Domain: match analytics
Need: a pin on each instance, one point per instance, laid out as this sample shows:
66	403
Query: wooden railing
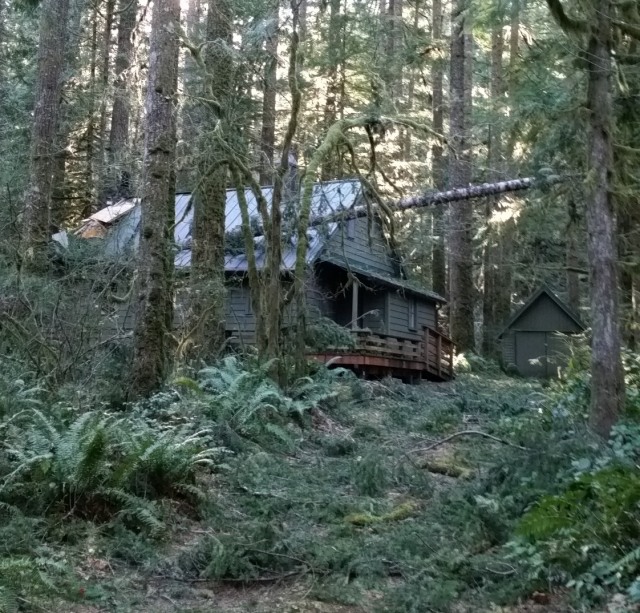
436	351
439	351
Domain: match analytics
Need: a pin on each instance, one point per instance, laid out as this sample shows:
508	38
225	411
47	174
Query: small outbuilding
532	341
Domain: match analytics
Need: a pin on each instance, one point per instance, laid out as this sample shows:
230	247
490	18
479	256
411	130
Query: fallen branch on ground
465	433
446	469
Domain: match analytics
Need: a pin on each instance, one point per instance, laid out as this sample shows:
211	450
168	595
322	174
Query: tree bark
330	168
573	264
48	88
457	194
119	169
3	37
460	215
506	238
438	254
268	138
90	134
154	296
207	265
607	382
491	256
101	141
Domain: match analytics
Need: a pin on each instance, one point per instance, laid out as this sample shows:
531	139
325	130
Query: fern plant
99	466
248	402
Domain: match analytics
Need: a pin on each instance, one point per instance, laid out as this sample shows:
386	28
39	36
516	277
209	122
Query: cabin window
351	228
413	308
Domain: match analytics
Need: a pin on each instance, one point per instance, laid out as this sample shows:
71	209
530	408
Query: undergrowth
226	477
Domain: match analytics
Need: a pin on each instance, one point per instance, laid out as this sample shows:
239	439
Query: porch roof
401	285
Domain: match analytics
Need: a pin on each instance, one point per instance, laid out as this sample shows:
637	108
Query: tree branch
470	433
568	24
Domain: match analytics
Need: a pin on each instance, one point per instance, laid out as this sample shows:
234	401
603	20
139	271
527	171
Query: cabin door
531	353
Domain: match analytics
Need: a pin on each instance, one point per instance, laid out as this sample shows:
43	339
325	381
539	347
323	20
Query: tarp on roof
113	212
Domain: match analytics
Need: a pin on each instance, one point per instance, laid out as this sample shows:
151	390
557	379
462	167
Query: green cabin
355	277
532	341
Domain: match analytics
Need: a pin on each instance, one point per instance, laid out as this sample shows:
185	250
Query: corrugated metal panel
327	198
124	236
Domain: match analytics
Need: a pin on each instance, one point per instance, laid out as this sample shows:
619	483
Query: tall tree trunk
507	232
154	299
268	138
207	264
53	25
334	60
104	97
405	139
573	264
3	36
394	51
491	259
460	215
119	170
90	134
438	257
607	383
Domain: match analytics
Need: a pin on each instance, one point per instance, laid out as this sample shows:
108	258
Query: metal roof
327	199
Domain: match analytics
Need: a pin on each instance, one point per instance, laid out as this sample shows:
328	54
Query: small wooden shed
531	341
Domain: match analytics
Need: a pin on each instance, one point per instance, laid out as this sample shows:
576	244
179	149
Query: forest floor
359	518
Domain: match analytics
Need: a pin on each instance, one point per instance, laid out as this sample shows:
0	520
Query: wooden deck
379	355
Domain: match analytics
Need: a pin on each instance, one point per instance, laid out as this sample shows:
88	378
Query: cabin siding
363	252
399	316
317	295
240	318
508	351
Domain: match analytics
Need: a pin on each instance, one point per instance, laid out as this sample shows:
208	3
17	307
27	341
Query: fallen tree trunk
480	190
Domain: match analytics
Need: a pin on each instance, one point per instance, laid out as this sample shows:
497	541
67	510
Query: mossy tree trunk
268	134
491	255
607	382
119	172
48	88
154	291
207	302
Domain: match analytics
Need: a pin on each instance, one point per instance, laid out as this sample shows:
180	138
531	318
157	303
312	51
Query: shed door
531	353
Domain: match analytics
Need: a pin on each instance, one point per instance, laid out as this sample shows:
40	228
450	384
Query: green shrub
323	333
98	466
590	533
245	400
370	476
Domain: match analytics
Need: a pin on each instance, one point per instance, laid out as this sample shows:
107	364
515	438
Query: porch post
354	304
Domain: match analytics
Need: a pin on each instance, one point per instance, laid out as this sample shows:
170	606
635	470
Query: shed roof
544	290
